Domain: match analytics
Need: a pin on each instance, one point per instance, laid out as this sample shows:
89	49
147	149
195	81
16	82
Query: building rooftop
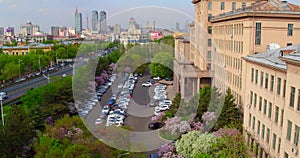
32	45
269	7
272	57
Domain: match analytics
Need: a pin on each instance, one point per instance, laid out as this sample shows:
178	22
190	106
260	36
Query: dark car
154	125
168	79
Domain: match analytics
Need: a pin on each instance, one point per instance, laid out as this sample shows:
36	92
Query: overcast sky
47	13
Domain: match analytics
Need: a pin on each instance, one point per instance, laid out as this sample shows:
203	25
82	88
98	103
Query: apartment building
197	71
271	115
24	50
246	31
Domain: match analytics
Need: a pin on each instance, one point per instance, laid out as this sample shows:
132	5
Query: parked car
154	125
105	109
147	84
156	78
99	121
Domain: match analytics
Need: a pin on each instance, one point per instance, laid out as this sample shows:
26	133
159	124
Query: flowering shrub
198	126
226	132
158	118
175	125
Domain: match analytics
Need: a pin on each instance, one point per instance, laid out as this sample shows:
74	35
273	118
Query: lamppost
47	77
40	63
2	116
19	61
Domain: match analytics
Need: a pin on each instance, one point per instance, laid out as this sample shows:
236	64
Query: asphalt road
19	89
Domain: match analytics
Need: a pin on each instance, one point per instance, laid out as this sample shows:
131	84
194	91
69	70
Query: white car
105	109
99	121
156	78
163	107
147	84
120	85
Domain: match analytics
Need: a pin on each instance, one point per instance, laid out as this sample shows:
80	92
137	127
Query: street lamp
47	77
2	116
19	61
40	63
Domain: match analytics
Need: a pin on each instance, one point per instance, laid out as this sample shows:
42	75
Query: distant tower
154	26
95	28
117	29
132	24
87	21
148	28
103	24
177	26
78	21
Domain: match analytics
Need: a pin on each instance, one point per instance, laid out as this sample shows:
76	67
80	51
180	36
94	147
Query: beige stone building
271	115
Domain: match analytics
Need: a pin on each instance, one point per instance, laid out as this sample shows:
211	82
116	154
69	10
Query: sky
47	13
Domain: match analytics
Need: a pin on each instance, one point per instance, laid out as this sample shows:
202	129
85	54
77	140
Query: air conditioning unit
295	151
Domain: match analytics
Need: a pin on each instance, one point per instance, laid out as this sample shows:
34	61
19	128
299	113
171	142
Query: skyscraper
55	30
78	22
1	31
102	21
29	29
95	26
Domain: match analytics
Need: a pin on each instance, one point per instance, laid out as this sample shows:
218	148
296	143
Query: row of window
231	29
263	107
233	62
222	5
15	53
258	29
267	81
235	80
264	132
230	45
296	133
293	98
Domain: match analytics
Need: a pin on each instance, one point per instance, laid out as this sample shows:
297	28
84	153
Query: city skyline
48	13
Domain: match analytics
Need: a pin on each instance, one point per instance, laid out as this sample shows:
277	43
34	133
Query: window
209	5
270	110
268	135
274	141
258	33
222	5
290	29
209	30
233	5
267	81
255	98
209	42
251	97
256	76
278	85
279	144
209	17
263	132
209	55
261	78
289	130
296	136
243	4
260	103
272	83
289	44
292	97
250	116
284	87
22	52
276	114
209	66
282	113
265	106
258	127
253	123
286	155
252	74
298	106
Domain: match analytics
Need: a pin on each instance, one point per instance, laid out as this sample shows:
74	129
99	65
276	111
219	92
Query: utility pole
19	61
2	116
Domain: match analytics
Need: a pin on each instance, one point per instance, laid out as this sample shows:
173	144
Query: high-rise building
103	24
95	22
132	24
10	31
117	29
177	27
54	30
78	22
1	31
29	29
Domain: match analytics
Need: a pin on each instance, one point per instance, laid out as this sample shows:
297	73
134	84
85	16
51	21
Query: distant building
117	29
103	24
95	22
29	29
54	30
24	50
133	35
38	37
177	26
78	22
2	31
10	31
156	35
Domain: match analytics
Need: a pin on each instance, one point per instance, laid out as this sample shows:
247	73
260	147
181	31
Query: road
19	89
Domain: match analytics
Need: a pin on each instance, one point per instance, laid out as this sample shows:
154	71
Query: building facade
103	24
24	50
95	22
78	22
132	35
29	29
271	117
55	30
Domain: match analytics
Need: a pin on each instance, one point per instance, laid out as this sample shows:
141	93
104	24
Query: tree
16	134
204	100
194	143
229	114
162	65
